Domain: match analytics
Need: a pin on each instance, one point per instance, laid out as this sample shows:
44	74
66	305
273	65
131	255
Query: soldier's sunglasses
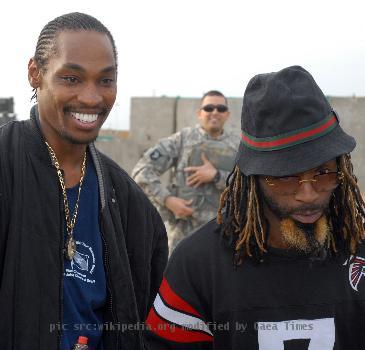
211	108
322	182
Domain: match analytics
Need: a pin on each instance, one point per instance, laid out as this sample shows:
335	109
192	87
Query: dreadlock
46	44
242	219
347	210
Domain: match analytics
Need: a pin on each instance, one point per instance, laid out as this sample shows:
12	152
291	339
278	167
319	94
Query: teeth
85	118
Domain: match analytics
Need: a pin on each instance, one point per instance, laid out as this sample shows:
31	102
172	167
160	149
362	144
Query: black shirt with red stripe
286	302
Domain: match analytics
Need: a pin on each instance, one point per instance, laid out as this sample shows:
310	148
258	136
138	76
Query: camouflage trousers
178	230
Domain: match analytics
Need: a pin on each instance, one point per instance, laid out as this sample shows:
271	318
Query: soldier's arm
154	163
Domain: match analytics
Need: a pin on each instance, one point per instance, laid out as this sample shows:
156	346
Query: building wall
153	118
6	110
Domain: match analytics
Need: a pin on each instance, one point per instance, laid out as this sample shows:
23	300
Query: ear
34	74
198	113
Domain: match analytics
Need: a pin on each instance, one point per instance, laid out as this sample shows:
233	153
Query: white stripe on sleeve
179	318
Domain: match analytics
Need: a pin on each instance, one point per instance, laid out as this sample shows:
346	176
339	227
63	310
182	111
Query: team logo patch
356	272
155	154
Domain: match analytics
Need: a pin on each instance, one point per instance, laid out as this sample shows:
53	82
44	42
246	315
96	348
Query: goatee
306	238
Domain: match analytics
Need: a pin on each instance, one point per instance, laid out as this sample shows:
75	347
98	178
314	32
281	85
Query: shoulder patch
155	154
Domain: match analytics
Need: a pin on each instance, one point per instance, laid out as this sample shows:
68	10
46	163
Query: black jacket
31	242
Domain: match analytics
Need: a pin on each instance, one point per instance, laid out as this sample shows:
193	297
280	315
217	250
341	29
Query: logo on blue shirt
82	266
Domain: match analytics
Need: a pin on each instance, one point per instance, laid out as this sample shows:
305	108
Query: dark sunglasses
211	108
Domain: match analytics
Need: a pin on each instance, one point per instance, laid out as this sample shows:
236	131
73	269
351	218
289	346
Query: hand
200	174
180	207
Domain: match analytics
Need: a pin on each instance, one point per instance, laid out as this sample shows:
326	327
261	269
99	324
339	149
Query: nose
306	193
89	95
215	111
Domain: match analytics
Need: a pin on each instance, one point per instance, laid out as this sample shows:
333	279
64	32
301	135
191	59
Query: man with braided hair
283	265
82	250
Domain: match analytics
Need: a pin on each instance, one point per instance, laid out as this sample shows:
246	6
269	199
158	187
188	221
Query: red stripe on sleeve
174	301
172	332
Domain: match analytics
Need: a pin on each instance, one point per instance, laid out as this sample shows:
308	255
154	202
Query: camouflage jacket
179	151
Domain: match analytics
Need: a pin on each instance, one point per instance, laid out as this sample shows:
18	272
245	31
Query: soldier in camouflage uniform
201	159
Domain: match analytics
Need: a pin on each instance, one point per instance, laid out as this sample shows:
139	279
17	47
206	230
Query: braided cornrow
242	219
46	44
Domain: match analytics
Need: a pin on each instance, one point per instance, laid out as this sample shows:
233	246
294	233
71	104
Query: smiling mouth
84	117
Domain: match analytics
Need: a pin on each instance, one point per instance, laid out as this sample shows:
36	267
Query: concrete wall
153	118
6	110
352	119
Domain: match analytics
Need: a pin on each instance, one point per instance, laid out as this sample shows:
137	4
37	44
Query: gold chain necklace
70	246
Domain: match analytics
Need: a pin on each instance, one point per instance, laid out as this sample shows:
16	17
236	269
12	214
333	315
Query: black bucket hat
288	126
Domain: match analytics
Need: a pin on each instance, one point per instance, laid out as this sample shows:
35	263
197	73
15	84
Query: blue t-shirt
84	283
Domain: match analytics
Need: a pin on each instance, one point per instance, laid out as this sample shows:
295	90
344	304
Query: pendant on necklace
70	248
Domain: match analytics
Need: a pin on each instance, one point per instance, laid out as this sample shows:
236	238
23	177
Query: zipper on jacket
99	173
62	269
108	284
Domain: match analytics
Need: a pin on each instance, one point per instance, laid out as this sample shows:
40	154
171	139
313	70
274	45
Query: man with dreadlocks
283	266
82	250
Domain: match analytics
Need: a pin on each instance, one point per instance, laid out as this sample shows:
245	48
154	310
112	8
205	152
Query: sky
185	48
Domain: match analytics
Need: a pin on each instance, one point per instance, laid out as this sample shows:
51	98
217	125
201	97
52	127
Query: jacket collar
34	138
